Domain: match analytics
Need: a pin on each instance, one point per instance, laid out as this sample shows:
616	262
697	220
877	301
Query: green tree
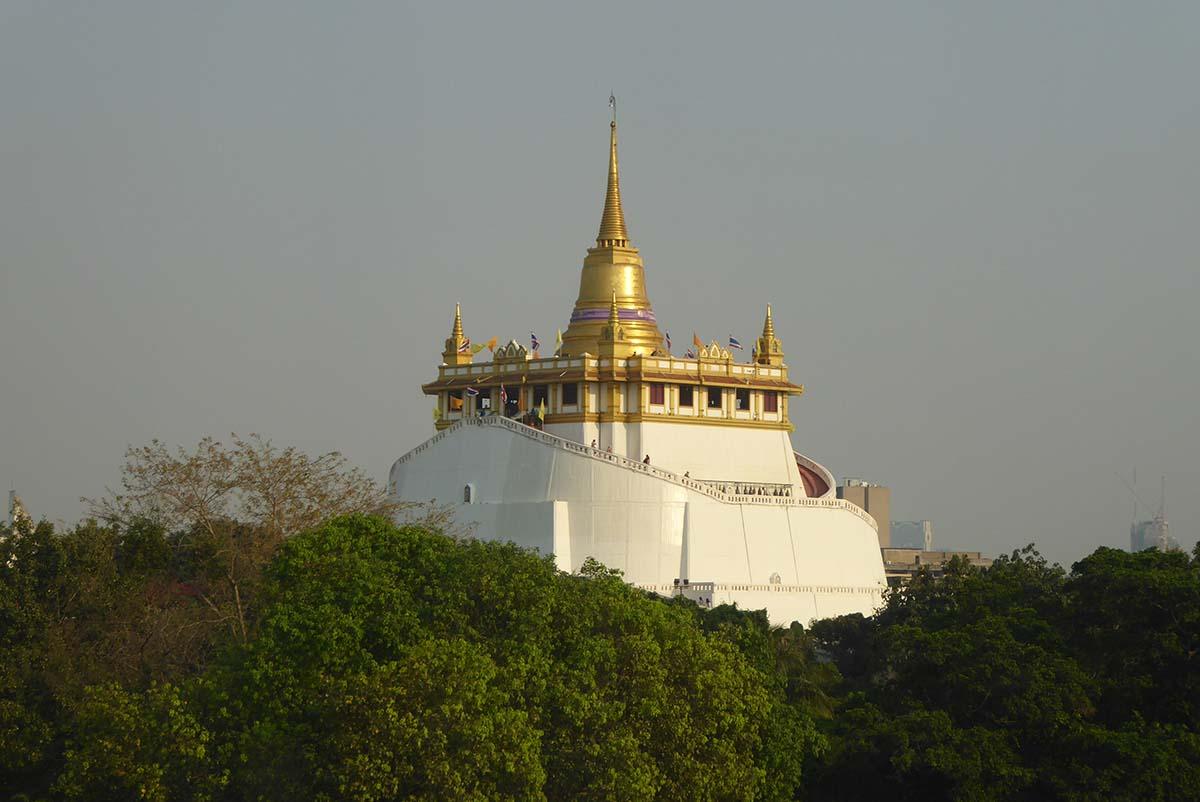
138	746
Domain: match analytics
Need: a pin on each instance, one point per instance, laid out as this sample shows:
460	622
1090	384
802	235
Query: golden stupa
613	267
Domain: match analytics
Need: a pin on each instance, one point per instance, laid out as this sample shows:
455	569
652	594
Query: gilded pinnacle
458	329
768	326
612	223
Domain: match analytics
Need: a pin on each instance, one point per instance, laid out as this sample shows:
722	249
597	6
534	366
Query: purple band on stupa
602	314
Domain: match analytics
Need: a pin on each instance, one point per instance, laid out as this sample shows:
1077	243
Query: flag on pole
668	342
491	344
754	351
477	347
696	341
689	354
541	410
471	391
534	342
455	403
733	343
503	397
558	342
466	346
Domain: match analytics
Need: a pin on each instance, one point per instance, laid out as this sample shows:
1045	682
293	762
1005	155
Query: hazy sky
977	224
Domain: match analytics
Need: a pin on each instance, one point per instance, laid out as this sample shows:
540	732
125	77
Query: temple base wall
799	562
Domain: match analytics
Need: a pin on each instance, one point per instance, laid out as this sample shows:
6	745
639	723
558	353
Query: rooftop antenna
1132	488
1162	500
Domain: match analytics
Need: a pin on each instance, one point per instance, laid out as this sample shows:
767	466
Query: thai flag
466	346
537	345
689	354
668	341
471	391
733	343
503	397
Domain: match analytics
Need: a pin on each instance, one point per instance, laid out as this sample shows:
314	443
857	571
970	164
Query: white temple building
548	452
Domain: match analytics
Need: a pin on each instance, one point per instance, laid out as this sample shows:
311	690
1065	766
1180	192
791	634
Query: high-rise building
912	535
1152	534
677	470
875	499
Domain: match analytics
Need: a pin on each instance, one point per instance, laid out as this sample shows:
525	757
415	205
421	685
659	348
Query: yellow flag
437	413
455	403
542	410
477	347
491	344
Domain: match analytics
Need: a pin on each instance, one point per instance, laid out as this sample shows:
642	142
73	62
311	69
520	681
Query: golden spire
768	350
612	222
458	347
612	263
614	314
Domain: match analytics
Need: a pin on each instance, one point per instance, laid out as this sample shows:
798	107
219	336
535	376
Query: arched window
469	494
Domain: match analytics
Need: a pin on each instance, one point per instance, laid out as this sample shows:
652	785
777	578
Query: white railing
746	587
638	467
730	487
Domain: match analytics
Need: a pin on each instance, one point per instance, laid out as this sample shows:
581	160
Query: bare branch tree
234	505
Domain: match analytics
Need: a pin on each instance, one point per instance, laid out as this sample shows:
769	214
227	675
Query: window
686	393
570	393
468	494
714	397
656	393
541	395
741	398
770	401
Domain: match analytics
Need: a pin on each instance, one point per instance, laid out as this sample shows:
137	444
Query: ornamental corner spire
458	346
768	350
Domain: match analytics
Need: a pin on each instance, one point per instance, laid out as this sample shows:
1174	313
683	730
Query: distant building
875	499
912	535
901	564
16	510
1152	534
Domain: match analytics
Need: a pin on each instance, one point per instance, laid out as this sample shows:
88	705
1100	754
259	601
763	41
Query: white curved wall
575	506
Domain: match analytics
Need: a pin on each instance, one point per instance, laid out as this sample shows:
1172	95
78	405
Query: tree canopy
231	630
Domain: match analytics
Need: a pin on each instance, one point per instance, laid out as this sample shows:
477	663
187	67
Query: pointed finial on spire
612	223
769	326
614	315
458	329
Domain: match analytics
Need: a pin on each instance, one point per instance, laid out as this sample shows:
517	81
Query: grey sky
976	223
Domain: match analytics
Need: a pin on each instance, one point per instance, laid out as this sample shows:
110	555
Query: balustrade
715	490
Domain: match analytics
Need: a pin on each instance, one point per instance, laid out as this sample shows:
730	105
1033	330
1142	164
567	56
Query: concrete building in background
875	499
912	535
678	471
902	565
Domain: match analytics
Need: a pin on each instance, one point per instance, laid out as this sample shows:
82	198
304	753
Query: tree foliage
1022	682
236	625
